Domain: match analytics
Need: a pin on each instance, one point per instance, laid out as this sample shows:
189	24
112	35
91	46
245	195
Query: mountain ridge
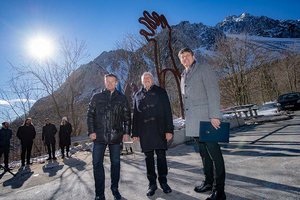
129	65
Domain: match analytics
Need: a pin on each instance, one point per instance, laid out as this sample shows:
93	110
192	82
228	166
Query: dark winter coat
48	133
26	134
65	134
109	117
5	136
152	118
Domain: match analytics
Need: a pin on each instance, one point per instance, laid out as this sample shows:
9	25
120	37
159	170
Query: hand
93	136
136	139
215	123
125	137
169	136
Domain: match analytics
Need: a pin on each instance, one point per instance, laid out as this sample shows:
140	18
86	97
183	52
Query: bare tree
234	59
290	69
133	56
55	79
20	96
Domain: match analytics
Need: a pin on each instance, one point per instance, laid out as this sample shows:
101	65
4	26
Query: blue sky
101	23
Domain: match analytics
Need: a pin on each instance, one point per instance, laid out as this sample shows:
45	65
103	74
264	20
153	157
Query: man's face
147	81
110	83
186	59
28	121
6	125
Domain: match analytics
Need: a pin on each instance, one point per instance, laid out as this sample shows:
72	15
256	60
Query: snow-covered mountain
260	26
129	65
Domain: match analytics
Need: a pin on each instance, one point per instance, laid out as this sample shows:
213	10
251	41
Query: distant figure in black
5	136
65	131
48	137
26	133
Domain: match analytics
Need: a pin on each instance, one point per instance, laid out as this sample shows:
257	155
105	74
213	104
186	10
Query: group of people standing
27	133
109	123
48	137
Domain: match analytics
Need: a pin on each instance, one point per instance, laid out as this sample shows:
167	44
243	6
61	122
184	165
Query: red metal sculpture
152	22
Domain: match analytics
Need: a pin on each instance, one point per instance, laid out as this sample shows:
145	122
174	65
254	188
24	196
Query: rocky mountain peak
260	26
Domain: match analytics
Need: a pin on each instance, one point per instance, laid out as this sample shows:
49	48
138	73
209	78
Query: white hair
147	73
64	120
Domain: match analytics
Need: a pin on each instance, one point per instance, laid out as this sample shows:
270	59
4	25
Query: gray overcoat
201	96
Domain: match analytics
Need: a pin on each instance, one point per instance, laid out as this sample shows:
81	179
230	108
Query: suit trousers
26	149
162	167
51	149
62	148
5	151
213	164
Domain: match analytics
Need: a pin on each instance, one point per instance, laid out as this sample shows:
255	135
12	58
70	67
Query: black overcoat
65	134
26	134
48	133
152	118
5	136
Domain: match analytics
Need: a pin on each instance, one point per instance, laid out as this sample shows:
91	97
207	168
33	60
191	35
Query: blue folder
208	133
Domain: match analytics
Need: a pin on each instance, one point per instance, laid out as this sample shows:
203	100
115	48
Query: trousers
98	168
213	164
162	167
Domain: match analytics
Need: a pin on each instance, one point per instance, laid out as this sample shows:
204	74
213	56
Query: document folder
208	133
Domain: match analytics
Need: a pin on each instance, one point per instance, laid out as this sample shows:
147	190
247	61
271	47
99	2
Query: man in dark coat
48	137
26	133
153	126
109	122
65	131
5	136
201	94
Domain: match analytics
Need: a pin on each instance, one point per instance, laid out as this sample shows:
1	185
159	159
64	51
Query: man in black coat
48	137
109	122
65	131
5	136
153	126
26	133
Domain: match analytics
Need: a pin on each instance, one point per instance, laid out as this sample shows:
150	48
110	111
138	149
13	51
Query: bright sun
41	47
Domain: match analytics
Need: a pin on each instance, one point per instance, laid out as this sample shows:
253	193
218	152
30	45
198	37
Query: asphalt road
262	162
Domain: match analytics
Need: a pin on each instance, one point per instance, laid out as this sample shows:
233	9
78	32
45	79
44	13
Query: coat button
187	109
185	85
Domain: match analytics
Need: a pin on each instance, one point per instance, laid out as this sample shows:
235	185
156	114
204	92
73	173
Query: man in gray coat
201	95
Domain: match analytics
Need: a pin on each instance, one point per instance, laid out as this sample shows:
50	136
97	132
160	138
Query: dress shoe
217	195
151	190
100	198
54	158
116	194
166	188
203	187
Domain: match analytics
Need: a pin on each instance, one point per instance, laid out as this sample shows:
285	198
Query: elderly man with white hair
153	126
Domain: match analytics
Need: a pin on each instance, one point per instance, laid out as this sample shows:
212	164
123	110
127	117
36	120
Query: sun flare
41	47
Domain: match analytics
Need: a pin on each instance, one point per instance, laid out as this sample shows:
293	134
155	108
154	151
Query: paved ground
262	162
